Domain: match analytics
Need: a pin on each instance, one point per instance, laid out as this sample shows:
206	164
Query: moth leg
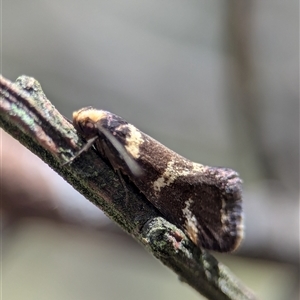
116	168
124	186
89	144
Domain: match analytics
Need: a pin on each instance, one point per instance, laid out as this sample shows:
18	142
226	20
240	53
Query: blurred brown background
216	81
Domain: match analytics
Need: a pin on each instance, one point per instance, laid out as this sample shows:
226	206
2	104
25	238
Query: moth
205	202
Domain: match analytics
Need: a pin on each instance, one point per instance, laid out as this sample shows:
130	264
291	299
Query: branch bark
27	115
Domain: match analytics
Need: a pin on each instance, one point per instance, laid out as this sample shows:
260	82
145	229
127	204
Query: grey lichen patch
23	115
161	236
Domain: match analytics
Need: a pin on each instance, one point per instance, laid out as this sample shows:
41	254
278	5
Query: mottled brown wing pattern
206	202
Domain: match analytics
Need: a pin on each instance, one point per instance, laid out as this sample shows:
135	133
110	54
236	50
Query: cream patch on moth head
191	223
89	114
133	141
170	174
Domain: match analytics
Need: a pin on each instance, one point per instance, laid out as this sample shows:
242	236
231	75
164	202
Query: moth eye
89	126
88	129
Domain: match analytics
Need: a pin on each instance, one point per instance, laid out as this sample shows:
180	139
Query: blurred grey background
216	81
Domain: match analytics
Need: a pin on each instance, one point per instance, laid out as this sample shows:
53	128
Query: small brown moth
205	202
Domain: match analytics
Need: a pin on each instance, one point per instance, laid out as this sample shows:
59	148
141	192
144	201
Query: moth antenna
135	169
88	145
67	119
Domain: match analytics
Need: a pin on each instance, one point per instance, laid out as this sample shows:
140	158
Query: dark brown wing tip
231	230
233	211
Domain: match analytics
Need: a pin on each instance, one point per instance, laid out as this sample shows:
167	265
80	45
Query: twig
28	116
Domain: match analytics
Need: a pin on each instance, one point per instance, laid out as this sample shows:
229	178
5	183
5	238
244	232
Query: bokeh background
216	81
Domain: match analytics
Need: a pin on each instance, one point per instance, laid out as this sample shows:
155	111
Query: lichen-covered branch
29	116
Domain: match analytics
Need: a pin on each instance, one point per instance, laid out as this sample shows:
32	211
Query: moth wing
133	166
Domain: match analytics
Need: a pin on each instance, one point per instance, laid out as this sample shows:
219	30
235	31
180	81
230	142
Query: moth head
86	121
